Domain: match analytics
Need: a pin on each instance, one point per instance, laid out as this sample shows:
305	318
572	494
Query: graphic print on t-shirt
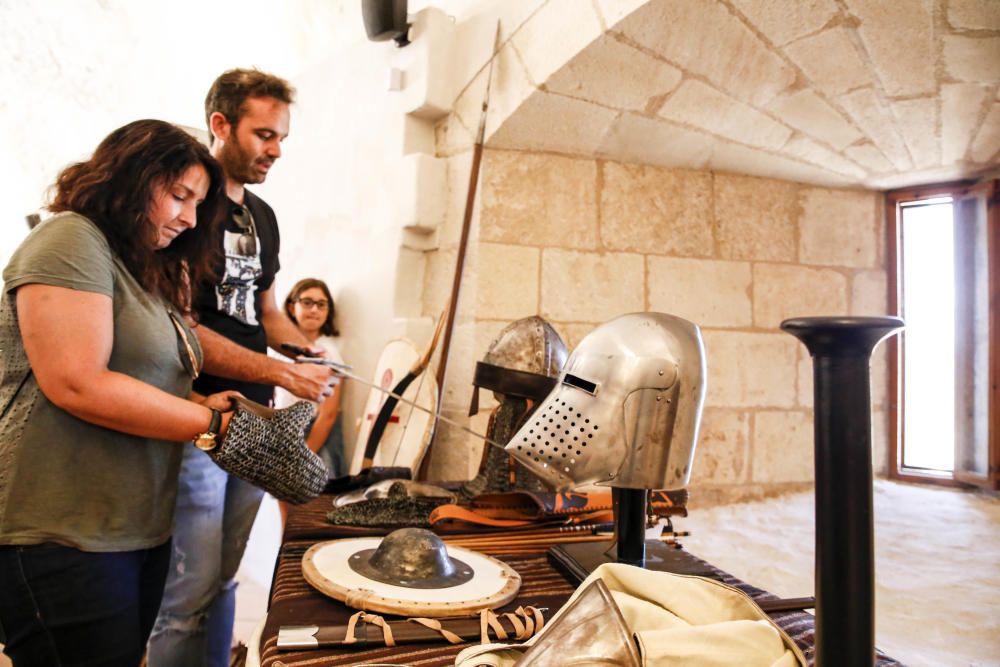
235	292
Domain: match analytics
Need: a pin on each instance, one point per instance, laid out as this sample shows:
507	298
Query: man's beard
238	164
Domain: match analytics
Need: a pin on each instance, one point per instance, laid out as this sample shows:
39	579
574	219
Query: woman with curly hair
95	395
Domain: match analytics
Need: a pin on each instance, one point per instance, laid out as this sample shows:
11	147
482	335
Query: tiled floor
937	565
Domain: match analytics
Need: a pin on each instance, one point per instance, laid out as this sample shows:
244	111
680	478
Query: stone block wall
580	240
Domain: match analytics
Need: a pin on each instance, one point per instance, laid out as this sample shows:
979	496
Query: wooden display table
294	602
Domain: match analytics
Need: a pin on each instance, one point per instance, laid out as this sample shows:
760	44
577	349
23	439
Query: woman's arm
326	417
68	336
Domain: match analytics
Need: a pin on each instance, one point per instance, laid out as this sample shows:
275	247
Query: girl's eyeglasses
246	245
322	304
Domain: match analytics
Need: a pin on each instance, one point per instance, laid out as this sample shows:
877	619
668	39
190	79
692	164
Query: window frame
893	201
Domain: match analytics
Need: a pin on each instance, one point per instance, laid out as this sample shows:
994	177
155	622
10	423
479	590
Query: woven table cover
294	602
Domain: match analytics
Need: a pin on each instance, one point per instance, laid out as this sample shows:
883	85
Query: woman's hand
223	401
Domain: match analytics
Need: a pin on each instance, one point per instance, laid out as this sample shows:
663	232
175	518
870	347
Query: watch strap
216	423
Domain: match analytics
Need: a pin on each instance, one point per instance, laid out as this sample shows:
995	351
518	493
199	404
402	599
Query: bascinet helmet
626	410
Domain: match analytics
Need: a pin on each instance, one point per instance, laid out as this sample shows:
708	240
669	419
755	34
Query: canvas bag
675	620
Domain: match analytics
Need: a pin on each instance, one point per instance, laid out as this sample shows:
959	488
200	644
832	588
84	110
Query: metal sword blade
342	369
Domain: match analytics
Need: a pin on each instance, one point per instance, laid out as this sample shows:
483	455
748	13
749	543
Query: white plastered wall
369	198
74	71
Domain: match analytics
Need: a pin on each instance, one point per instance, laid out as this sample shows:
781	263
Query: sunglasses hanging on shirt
246	244
189	359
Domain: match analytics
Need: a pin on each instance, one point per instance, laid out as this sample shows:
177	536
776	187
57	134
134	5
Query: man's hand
309	381
225	358
292	350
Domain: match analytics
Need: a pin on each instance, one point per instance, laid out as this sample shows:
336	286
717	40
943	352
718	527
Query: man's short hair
232	88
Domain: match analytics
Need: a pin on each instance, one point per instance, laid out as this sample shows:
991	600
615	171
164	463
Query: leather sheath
298	637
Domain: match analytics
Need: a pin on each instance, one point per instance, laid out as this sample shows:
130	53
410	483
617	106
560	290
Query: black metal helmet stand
578	560
841	349
632	548
630	525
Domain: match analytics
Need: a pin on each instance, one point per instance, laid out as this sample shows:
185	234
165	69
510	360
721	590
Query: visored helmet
626	410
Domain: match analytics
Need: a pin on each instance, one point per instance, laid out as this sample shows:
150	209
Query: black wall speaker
385	20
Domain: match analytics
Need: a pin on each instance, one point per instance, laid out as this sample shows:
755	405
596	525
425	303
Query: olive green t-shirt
63	479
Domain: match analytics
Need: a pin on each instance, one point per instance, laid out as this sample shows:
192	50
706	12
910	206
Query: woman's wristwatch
208	440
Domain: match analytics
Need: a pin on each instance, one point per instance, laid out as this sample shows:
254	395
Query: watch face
205	441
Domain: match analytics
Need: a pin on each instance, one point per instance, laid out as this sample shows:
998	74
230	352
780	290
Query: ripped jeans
214	515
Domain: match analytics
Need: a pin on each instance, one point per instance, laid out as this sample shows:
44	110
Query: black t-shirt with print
232	306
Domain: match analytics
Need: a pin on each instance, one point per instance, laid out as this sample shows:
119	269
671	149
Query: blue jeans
60	606
214	515
332	451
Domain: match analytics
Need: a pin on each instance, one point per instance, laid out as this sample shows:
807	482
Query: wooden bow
385	413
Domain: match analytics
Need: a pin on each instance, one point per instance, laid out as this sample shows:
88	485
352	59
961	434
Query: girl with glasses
310	306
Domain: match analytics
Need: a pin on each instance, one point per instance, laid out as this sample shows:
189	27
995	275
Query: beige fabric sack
675	620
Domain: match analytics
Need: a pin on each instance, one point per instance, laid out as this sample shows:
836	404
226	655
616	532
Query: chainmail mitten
267	448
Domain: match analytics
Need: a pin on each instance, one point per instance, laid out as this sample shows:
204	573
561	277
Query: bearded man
247	112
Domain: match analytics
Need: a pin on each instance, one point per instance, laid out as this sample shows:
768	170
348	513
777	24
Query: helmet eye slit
580	383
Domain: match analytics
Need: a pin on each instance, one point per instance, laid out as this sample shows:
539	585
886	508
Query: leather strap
435	625
542	504
510	382
216	423
450	513
351	636
514	509
513	382
444	515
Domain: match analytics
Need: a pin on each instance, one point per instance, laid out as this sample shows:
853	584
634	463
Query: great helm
626	410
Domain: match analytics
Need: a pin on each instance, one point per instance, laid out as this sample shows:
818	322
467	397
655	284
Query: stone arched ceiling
871	93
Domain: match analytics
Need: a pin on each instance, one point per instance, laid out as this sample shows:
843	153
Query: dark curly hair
233	87
114	189
328	328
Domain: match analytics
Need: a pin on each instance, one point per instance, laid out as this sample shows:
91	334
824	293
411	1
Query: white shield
409	430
